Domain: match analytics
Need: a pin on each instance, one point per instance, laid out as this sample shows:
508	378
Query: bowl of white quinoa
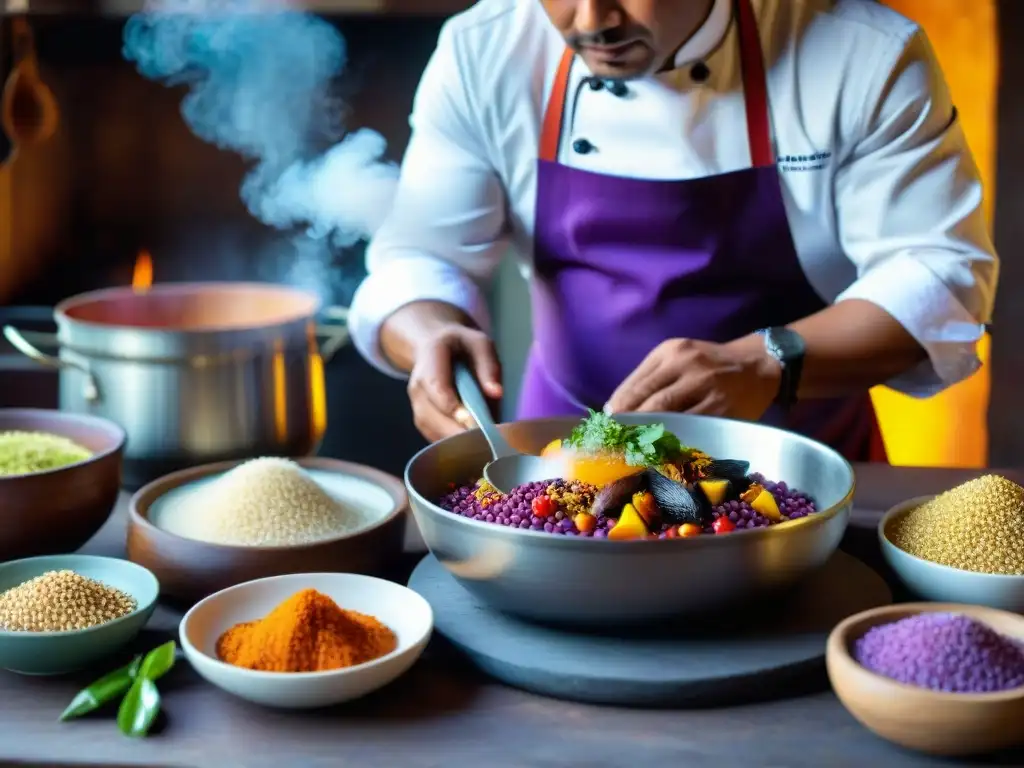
203	529
60	475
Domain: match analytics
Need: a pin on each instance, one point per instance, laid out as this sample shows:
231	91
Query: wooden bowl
190	570
947	724
57	511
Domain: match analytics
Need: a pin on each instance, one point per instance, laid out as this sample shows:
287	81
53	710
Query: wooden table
444	714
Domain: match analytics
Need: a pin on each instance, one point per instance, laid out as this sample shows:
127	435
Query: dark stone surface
767	649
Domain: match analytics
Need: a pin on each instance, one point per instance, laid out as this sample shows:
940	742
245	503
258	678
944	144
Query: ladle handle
473	398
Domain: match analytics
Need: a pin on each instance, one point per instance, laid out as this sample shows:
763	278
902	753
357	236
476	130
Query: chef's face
624	39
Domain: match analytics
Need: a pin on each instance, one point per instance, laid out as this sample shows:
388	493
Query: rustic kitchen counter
443	713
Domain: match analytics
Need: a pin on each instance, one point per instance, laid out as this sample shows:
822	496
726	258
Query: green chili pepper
104	690
141	704
136	683
159	661
139	708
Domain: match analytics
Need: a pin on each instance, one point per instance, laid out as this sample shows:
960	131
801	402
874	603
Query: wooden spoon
30	113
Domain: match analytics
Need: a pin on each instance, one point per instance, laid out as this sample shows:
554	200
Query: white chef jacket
883	198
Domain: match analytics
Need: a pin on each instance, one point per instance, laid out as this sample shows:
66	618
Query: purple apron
623	264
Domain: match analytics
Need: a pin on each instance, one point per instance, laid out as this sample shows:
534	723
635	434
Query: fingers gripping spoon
509	467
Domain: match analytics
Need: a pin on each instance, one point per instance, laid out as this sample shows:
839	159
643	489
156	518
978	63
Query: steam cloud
259	76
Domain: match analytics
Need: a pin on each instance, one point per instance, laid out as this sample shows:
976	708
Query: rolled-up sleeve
446	234
910	217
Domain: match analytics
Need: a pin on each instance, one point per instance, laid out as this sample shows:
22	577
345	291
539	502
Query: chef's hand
436	407
737	381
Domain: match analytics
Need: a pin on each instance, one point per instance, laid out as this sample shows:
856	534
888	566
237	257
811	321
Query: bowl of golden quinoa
962	546
62	613
60	474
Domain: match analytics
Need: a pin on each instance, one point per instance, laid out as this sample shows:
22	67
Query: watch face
785	343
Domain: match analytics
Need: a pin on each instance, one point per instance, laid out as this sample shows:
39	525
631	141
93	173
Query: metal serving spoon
509	468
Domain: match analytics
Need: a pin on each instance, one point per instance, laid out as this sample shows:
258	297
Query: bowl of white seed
61	613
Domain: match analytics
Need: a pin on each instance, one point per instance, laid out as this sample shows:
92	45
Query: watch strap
787	347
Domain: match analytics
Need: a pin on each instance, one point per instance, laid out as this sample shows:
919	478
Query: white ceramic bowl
407	614
942	583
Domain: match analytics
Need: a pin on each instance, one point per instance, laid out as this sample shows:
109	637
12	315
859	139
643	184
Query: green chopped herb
643	445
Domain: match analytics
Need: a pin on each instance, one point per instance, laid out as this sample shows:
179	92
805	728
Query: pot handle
333	329
17	340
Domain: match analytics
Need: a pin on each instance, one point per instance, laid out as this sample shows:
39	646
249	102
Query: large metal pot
193	372
592	581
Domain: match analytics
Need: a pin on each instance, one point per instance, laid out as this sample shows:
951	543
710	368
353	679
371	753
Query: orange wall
951	428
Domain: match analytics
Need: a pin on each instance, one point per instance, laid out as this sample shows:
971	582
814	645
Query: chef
756	209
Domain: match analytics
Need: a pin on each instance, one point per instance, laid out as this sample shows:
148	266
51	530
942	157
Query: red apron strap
755	87
755	92
551	129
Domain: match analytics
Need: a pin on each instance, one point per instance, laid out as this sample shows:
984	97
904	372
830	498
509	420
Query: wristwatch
788	348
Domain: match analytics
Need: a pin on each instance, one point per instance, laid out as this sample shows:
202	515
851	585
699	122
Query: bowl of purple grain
645	507
945	679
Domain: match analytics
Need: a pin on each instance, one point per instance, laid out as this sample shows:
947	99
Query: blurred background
120	189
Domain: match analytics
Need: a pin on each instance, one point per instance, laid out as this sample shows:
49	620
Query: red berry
543	506
723	525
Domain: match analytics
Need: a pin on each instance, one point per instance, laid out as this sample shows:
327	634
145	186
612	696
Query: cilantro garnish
643	445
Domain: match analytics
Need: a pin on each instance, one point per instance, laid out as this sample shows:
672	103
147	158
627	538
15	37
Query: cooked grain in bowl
977	526
267	502
23	453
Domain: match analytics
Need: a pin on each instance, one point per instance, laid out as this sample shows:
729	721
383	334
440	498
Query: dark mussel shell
732	470
677	503
613	497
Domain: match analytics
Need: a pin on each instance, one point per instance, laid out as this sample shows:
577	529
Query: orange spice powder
308	632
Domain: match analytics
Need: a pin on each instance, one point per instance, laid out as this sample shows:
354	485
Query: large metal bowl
599	582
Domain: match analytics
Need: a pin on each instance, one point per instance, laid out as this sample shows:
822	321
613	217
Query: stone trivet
767	653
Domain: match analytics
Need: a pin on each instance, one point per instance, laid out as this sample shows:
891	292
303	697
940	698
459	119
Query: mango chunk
764	503
644	503
751	493
552	449
630	526
715	490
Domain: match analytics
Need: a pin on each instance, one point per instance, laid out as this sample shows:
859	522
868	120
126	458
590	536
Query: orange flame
142	276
